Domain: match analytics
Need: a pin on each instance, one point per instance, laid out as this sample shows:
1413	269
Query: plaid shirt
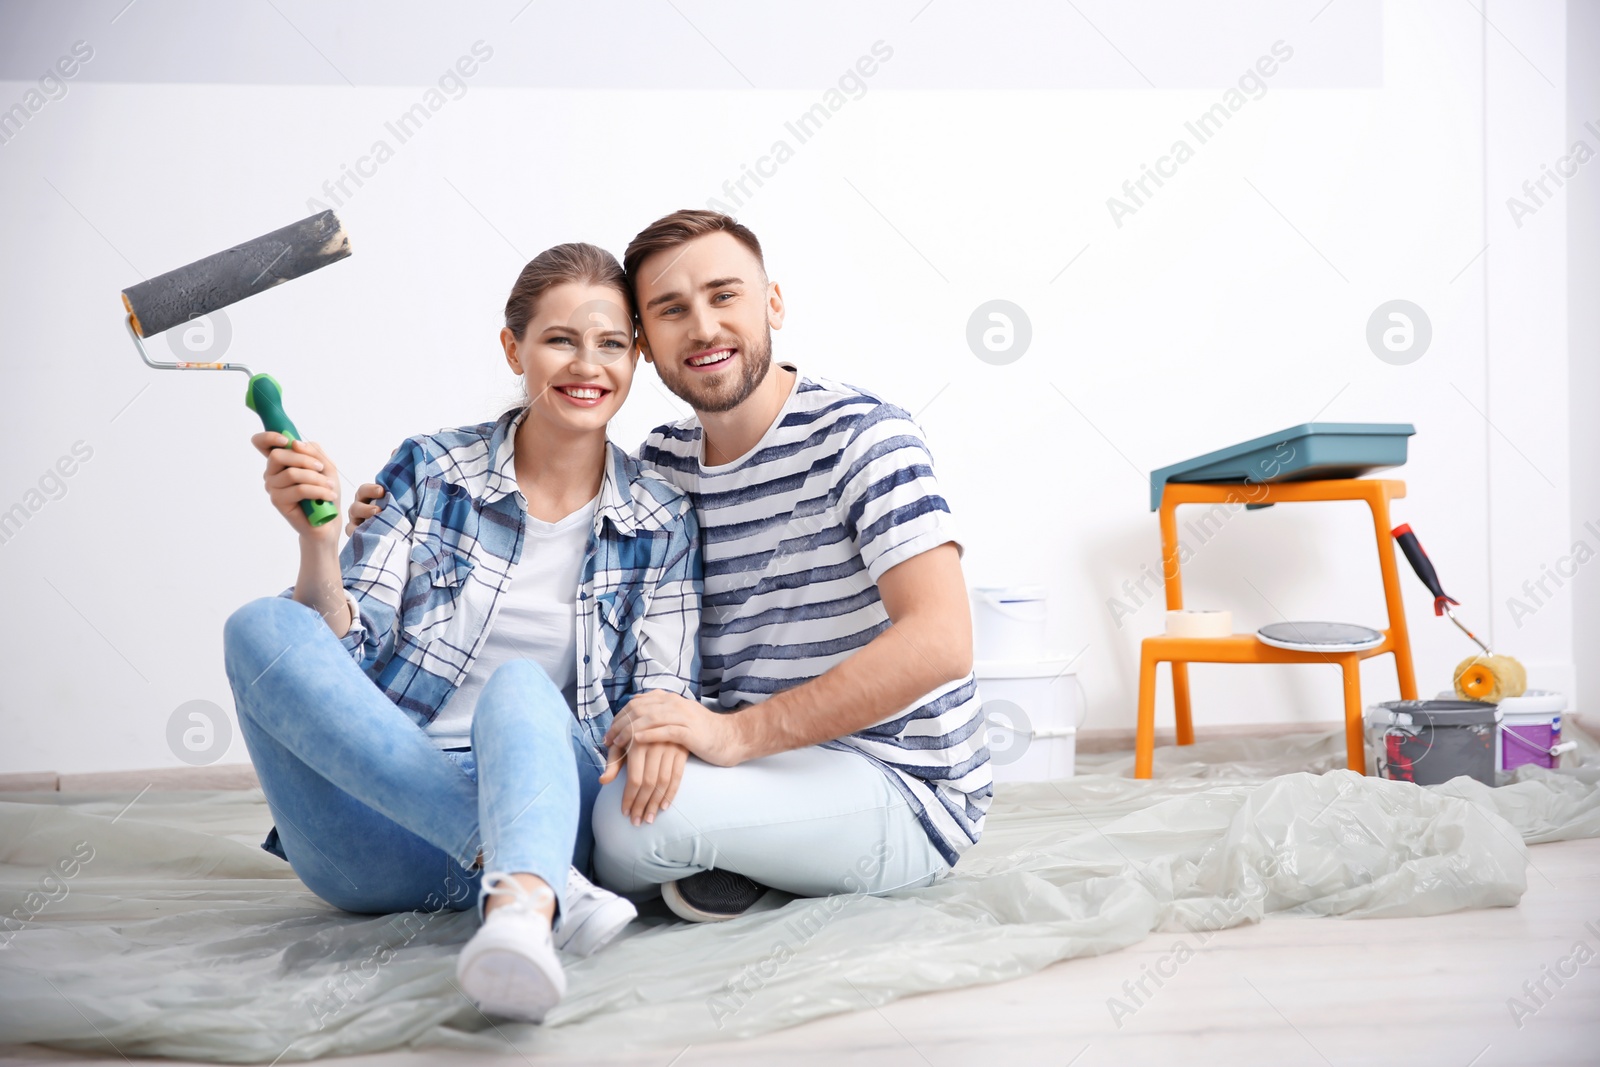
425	575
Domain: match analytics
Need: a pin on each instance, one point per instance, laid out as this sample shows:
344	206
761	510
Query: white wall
1583	316
977	165
1524	414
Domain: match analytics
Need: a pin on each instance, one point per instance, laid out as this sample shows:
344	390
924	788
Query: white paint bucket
1031	711
1008	622
1530	730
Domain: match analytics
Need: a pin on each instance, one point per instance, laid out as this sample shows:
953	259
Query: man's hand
656	715
654	772
363	507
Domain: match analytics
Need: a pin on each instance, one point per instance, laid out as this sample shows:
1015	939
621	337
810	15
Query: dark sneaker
711	896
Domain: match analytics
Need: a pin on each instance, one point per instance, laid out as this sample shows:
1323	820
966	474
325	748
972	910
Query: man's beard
717	397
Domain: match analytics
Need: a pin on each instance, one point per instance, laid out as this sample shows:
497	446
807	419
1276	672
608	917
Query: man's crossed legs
812	821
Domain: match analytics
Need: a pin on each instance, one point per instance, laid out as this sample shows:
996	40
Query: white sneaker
590	916
509	968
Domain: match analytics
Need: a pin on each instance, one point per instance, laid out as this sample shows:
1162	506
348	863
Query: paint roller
210	284
1487	677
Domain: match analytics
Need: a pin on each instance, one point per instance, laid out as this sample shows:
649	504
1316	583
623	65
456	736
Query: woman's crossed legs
370	814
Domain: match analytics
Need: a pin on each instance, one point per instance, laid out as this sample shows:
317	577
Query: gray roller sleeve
244	270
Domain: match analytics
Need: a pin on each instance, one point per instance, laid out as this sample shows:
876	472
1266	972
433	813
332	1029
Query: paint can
1008	622
1430	742
1031	711
1530	730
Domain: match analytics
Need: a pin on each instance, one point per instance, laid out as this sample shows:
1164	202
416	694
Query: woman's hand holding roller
296	471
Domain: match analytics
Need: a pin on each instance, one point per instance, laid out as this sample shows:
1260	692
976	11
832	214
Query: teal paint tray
1301	453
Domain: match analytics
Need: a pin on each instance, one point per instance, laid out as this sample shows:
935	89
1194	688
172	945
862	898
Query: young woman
426	710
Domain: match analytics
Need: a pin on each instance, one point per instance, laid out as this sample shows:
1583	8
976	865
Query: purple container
1527	741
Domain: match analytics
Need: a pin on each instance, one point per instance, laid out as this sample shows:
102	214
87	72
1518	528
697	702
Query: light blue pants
370	814
812	822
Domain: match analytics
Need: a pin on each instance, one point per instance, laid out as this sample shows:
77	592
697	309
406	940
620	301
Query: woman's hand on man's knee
654	771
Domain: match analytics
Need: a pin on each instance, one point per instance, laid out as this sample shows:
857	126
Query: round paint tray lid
1320	636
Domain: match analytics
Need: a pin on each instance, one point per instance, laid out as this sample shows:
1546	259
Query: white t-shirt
536	619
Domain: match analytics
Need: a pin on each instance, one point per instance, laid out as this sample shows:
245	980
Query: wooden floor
1409	992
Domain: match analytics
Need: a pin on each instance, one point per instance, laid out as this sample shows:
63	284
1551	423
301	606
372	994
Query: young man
839	742
840	746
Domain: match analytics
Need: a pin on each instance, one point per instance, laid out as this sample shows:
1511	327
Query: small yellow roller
1489	677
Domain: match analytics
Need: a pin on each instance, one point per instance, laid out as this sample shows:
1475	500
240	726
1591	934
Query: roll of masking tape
1199	623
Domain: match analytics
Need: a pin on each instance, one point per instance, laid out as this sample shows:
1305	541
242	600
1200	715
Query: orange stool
1247	648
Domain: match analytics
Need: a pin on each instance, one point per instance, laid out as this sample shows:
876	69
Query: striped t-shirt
795	536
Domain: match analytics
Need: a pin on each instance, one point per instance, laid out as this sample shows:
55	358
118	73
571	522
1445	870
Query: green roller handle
264	396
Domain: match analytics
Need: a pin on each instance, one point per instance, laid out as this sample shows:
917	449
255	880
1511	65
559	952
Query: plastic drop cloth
180	937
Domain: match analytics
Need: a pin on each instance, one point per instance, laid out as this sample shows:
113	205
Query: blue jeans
370	814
